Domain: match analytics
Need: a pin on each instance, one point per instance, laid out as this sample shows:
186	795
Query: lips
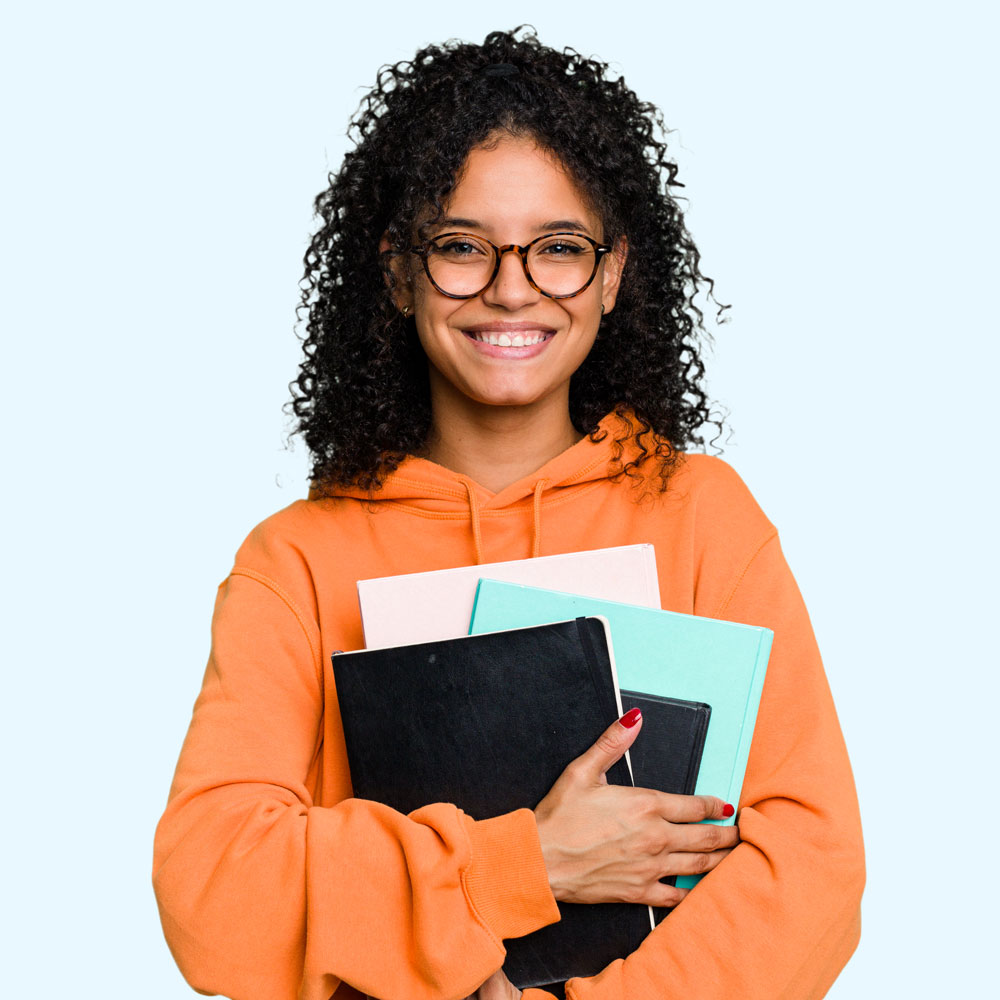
518	338
509	341
509	336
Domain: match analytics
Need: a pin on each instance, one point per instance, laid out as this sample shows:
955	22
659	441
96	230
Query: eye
459	248
563	247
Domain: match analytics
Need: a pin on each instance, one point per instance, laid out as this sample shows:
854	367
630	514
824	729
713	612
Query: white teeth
505	340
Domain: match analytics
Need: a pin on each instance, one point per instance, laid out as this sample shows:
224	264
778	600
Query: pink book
421	607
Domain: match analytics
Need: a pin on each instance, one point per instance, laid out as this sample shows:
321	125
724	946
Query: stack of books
479	684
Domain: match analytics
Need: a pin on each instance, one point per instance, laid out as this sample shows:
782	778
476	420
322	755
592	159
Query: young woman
501	362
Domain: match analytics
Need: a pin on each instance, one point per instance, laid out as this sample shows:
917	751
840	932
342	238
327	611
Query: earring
405	311
602	308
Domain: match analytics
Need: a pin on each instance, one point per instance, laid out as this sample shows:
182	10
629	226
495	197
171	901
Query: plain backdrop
160	163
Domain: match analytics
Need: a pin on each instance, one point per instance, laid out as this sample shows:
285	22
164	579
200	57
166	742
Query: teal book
662	653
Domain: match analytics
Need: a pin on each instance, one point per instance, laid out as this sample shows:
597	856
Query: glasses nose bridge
521	251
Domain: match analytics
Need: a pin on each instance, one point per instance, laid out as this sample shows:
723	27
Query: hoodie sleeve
264	895
779	918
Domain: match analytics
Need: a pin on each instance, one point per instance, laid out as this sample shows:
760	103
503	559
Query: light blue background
160	163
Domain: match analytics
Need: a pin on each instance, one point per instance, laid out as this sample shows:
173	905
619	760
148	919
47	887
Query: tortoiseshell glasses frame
426	250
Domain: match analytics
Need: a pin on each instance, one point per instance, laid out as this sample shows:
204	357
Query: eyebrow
554	225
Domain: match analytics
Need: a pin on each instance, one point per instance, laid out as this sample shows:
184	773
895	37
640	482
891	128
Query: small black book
667	754
489	722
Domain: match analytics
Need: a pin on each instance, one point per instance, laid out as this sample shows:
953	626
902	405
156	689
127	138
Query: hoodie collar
421	483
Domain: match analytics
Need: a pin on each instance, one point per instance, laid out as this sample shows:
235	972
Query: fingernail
630	718
727	810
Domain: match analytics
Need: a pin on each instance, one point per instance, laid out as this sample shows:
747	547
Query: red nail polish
629	719
727	810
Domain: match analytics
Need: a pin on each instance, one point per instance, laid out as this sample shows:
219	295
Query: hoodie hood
424	485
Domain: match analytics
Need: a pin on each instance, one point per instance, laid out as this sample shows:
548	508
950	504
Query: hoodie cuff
506	879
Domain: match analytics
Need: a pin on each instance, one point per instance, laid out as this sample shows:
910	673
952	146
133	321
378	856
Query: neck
497	445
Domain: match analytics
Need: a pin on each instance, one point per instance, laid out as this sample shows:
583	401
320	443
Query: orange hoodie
273	883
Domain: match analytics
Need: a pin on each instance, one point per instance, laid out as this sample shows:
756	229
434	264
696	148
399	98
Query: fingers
497	987
609	748
702	837
694	864
662	894
692	808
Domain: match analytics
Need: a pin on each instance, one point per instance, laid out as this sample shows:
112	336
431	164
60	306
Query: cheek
432	309
587	320
426	342
585	347
435	336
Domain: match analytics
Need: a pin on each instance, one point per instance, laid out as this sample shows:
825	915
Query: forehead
513	187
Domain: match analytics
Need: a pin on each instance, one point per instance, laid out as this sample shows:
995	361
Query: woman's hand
612	843
497	987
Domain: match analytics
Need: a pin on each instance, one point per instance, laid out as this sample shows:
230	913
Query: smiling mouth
515	339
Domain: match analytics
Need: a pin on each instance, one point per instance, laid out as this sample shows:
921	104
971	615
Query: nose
511	289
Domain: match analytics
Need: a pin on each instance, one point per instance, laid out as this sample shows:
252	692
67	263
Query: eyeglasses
559	265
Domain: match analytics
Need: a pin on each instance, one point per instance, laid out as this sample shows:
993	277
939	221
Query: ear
397	278
614	265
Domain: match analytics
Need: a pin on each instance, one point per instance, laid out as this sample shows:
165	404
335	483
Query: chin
508	396
507	401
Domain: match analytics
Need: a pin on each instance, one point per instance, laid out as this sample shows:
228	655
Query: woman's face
511	192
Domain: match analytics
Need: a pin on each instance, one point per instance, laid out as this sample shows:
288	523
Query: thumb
609	748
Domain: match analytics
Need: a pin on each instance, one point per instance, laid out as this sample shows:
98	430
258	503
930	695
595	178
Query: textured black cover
667	754
489	722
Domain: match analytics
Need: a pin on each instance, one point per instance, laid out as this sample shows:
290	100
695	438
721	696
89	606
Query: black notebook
667	754
489	722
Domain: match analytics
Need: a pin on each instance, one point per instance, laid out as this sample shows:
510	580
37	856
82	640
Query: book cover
419	607
488	723
704	660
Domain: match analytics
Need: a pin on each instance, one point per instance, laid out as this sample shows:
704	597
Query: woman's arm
265	895
779	918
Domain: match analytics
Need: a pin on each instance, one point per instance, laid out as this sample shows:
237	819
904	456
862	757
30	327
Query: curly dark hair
361	399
